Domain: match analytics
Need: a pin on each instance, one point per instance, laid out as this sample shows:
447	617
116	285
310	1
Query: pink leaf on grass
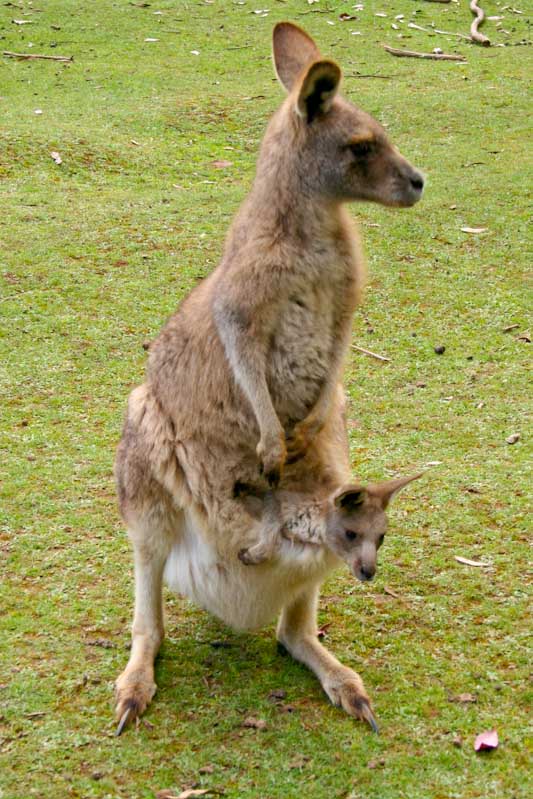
486	740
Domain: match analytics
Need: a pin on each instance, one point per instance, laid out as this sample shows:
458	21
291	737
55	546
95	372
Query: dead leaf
167	793
221	164
525	336
208	769
323	631
57	158
513	438
344	17
255	724
486	741
457	741
390	592
464	699
474	229
22	21
468	562
149	39
277	695
299	761
509	327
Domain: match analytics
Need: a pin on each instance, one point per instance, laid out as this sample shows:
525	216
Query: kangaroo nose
367	573
417	182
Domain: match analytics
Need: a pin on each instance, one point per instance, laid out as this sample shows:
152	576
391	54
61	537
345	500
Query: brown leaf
255	724
513	438
221	164
277	695
390	592
208	769
168	793
525	336
323	630
57	158
464	699
474	229
344	17
457	741
299	761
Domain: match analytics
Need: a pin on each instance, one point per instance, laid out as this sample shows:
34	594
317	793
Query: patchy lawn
97	252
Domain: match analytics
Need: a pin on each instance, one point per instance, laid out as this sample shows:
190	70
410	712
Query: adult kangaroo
244	380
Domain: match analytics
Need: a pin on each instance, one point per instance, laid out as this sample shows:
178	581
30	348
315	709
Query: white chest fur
244	597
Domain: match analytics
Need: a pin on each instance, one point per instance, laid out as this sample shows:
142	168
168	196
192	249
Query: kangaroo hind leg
136	686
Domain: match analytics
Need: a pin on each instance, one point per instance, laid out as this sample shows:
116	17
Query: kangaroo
246	378
351	522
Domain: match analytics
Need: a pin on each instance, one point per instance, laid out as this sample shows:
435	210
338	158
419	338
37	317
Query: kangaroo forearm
247	358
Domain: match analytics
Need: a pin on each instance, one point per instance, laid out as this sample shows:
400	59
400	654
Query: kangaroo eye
350	535
362	149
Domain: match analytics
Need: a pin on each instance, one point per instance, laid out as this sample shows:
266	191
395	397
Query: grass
97	252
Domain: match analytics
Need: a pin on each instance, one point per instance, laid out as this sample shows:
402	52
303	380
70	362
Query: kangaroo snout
409	186
365	572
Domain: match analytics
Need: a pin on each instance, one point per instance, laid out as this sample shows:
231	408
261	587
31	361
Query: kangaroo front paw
299	440
271	452
349	693
133	693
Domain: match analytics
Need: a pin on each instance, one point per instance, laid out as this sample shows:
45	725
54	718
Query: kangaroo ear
386	491
349	498
293	50
318	89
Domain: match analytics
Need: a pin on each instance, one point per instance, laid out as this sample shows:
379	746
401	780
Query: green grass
97	252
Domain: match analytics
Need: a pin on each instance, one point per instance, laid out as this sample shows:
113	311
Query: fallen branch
32	56
475	35
371	354
414	54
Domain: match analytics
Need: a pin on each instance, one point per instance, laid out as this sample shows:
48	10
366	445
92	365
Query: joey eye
350	535
362	149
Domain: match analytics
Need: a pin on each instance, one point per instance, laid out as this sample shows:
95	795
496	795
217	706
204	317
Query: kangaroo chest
301	354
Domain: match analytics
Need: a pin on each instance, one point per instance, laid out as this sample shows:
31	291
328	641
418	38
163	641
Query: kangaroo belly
300	354
244	597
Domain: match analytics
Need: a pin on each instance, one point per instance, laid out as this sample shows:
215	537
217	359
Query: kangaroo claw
368	716
123	722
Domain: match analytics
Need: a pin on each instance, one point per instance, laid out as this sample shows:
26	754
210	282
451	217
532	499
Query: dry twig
371	354
415	54
33	56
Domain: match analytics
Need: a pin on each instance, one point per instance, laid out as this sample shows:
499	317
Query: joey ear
318	89
386	491
349	498
293	50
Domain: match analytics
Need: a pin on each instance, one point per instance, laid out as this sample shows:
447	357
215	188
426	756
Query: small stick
383	77
371	354
414	54
436	30
475	35
32	56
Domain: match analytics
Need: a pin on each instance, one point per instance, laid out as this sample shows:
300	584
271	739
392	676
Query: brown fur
245	376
